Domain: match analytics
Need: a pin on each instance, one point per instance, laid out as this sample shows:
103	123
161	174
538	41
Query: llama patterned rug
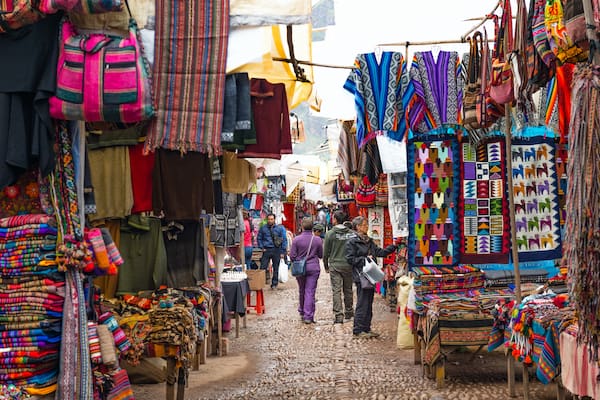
535	188
485	225
433	197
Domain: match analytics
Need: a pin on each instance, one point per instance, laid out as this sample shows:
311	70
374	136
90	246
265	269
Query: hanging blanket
433	199
535	189
189	75
485	233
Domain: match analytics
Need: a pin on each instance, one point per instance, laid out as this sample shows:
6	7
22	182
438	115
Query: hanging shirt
434	94
378	89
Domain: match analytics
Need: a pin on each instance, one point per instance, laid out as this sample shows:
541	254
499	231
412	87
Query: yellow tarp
263	66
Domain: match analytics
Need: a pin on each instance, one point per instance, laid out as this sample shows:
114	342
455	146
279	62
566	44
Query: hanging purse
102	78
501	84
473	86
488	111
365	193
381	191
80	6
15	14
538	73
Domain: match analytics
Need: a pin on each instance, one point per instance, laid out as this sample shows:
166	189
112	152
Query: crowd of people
344	250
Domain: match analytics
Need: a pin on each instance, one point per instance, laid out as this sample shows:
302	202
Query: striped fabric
189	74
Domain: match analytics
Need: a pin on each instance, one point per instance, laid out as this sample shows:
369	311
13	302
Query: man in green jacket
340	271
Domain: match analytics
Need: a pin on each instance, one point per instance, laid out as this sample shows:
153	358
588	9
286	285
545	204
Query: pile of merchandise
31	298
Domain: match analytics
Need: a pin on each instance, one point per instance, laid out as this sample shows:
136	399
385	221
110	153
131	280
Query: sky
363	24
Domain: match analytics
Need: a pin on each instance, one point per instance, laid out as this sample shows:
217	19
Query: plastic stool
259	307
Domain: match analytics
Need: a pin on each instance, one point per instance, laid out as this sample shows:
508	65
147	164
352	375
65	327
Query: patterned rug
535	188
485	233
433	161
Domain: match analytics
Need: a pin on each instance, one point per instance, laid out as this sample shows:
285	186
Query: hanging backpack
561	43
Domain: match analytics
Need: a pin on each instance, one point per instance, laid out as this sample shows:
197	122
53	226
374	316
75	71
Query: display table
234	300
436	338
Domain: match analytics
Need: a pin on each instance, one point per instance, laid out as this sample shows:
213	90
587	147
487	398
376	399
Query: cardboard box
256	278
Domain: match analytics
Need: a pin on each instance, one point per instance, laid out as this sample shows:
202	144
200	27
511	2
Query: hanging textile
433	161
483	210
189	75
583	205
350	159
378	87
398	204
536	196
434	93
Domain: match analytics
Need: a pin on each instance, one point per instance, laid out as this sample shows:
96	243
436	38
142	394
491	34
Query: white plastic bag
283	271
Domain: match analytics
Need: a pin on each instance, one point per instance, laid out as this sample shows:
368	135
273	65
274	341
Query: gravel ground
287	359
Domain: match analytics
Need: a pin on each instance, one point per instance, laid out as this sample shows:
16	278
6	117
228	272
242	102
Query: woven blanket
27	219
433	160
189	75
536	199
485	230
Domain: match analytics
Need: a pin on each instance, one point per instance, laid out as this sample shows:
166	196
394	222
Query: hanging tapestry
433	163
189	75
398	204
561	176
485	233
378	88
536	199
434	94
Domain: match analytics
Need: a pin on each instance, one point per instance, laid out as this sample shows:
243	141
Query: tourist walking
340	271
272	239
309	246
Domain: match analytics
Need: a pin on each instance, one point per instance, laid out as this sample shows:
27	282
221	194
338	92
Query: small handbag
501	84
102	78
488	111
299	267
80	6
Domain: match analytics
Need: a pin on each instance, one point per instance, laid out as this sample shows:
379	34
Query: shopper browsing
357	250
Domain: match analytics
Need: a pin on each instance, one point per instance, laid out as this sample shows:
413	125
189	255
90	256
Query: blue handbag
299	266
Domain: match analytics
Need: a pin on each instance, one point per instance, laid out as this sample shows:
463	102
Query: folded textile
27	219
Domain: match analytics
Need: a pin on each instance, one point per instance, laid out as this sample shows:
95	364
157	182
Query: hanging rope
582	229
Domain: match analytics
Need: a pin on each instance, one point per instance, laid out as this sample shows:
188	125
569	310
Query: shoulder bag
299	267
488	111
102	77
473	86
501	85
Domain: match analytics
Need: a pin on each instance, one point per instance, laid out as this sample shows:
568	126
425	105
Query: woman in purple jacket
310	246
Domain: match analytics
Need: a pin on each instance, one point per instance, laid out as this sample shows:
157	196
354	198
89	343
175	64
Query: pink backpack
101	78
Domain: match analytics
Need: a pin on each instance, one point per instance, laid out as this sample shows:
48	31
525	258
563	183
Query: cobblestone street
287	359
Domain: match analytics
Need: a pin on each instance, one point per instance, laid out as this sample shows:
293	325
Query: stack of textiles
503	278
174	329
447	279
31	303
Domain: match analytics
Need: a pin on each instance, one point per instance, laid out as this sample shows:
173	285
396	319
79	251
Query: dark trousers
364	309
273	255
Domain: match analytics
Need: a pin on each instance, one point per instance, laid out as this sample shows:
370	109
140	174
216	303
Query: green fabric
335	243
145	266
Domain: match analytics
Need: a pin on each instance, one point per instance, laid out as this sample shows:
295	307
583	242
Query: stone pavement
290	360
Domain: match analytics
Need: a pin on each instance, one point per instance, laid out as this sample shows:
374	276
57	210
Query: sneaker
308	321
362	335
338	321
349	315
373	334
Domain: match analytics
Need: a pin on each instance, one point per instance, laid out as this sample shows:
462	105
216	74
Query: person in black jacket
357	249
